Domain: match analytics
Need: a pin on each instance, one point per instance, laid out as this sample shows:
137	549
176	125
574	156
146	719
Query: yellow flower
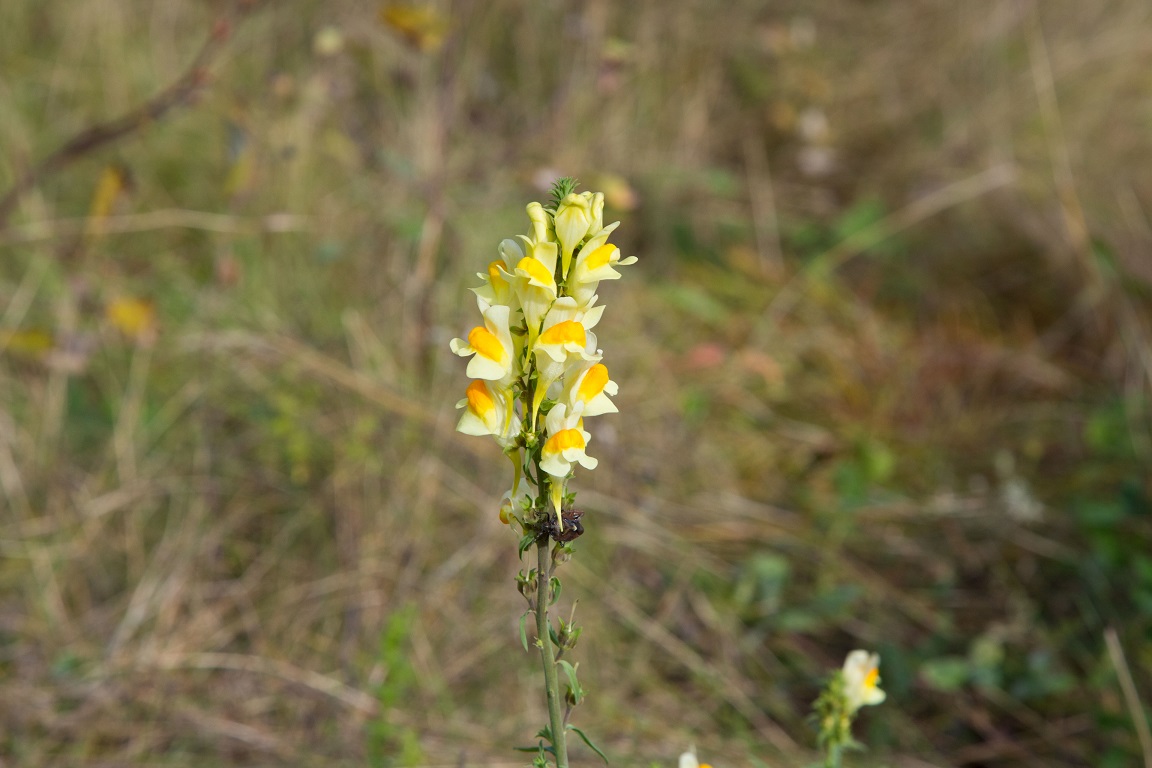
490	411
564	341
135	318
589	385
492	347
861	679
566	442
534	283
497	288
595	262
688	760
422	27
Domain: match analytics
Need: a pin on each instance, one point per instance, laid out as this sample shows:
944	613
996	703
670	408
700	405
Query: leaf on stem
554	595
588	741
524	629
575	691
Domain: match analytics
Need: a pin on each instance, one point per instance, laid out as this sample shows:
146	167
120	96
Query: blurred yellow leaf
618	193
421	26
31	344
135	318
113	182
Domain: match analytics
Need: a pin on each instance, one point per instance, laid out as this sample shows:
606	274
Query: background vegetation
884	366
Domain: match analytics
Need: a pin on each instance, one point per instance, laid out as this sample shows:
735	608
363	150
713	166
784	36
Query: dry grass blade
151	221
949	196
1131	698
90	139
731	689
329	686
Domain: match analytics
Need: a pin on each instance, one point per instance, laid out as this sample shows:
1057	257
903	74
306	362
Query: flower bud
573	220
526	583
539	219
561	553
597	213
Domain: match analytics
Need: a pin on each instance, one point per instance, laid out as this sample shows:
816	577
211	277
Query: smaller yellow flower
489	411
595	261
688	760
589	385
862	679
534	283
566	442
497	288
565	339
491	345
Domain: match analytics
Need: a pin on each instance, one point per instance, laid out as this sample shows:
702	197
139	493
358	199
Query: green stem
548	653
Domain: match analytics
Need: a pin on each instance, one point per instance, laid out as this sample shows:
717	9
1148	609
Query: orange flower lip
486	344
535	270
563	332
494	272
600	257
562	441
480	402
594	382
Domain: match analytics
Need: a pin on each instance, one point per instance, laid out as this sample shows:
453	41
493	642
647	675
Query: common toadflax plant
538	373
854	686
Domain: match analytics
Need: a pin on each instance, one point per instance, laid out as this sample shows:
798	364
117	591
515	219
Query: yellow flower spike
573	220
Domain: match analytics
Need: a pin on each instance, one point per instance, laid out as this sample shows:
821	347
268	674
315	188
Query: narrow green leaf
588	741
555	596
524	629
573	683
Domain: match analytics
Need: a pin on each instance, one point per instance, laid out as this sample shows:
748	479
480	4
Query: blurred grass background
884	365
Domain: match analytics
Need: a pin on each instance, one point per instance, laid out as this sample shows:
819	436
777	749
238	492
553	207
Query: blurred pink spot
705	356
